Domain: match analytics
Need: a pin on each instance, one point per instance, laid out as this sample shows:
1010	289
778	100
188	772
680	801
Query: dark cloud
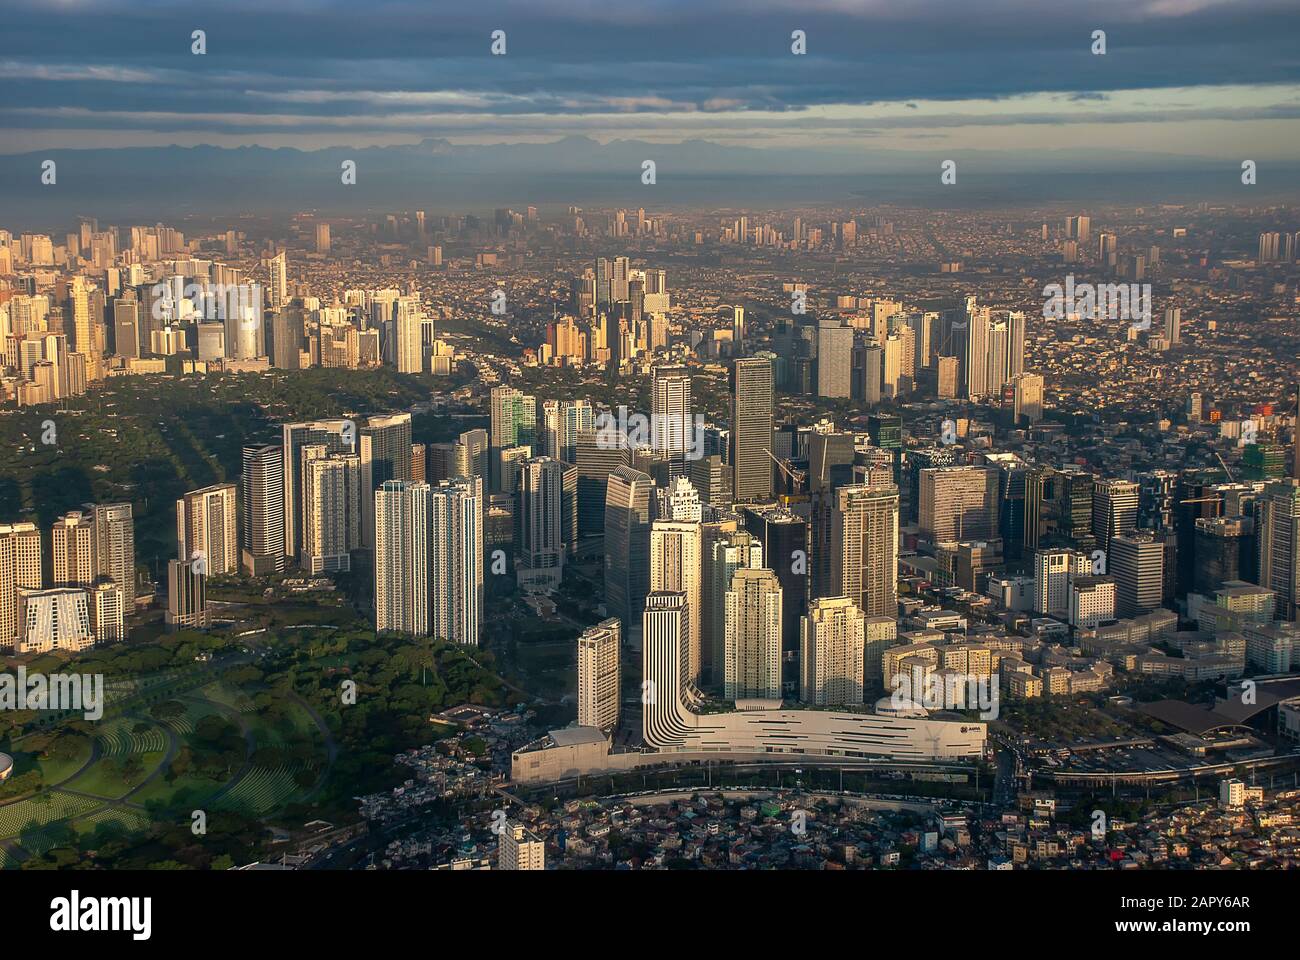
335	59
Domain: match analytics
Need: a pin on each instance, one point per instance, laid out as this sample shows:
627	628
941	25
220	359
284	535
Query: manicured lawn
180	792
106	778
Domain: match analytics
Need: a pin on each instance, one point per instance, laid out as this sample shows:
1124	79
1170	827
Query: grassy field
129	782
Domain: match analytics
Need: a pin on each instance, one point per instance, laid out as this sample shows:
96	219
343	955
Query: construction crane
1226	471
1225	467
797	477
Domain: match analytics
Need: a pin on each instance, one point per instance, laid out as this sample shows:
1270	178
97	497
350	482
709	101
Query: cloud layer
1181	76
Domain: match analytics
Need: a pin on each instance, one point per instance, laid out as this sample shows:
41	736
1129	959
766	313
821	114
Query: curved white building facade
669	725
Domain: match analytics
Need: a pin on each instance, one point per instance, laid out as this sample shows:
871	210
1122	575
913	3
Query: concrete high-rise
1028	398
408	335
958	503
513	424
402	557
115	545
206	526
751	428
337	436
1136	561
864	547
539	523
187	595
278	288
519	849
784	537
675	567
832	652
261	520
671	422
627	545
55	619
598	675
287	328
995	351
664	660
1279	544
107	608
332	490
72	544
1054	569
678	501
78	323
385	450
126	328
831	455
834	358
563	422
455	539
724	553
20	569
472	455
752	658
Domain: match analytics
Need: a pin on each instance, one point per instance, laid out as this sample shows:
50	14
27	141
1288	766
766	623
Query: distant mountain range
438	176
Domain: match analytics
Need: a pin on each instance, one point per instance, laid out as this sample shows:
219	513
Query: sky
1199	79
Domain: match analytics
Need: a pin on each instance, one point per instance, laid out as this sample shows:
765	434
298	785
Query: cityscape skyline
715	436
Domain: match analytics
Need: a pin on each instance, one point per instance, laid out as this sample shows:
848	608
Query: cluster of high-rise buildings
618	314
89	589
763	567
336	486
756	563
1275	247
101	304
875	349
866	349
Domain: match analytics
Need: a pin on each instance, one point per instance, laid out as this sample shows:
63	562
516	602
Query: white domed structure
6	766
886	707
